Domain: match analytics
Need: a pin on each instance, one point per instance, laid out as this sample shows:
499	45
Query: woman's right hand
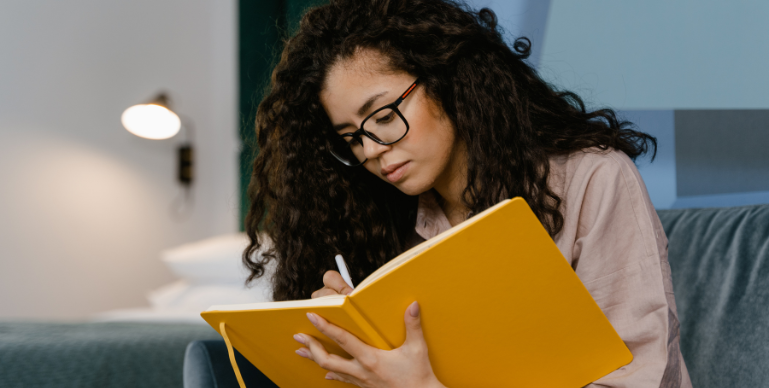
333	284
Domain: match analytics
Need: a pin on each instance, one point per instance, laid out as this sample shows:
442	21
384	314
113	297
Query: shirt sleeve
614	241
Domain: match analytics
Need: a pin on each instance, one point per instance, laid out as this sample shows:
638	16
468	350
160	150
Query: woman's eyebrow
367	105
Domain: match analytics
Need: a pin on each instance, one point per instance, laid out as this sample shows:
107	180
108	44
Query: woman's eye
352	140
386	118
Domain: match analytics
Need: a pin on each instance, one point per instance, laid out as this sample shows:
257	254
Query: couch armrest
207	365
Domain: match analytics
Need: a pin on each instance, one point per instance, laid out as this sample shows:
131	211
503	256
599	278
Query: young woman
389	121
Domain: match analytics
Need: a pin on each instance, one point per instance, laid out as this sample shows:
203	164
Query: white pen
343	270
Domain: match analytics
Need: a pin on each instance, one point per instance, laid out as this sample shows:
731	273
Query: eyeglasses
385	126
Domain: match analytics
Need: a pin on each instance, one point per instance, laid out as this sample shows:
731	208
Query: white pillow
213	260
211	272
184	296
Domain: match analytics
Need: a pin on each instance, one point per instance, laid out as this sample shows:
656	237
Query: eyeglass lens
386	126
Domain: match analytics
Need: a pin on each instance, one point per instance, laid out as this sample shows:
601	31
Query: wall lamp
155	120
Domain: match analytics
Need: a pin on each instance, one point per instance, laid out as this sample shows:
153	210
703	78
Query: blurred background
87	209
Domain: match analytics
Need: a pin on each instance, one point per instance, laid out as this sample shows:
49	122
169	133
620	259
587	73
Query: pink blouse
614	240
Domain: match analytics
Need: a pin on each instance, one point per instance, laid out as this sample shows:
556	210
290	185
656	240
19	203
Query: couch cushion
720	264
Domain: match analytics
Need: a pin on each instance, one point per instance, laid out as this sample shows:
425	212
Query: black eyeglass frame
356	135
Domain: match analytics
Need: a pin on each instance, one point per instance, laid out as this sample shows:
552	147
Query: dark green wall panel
295	9
259	45
262	26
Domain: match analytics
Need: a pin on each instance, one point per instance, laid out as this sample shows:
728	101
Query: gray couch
720	264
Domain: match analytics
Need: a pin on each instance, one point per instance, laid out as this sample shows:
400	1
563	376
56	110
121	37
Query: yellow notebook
500	307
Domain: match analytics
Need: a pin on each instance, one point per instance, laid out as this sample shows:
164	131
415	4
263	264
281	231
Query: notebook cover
500	307
265	338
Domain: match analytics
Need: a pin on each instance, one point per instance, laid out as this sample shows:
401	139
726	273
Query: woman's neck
452	186
455	213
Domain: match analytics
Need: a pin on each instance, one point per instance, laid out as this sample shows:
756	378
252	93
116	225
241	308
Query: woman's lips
397	174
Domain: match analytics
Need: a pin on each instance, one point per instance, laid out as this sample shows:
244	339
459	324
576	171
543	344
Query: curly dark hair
312	207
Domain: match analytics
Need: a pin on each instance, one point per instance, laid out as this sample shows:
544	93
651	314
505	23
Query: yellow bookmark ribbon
232	355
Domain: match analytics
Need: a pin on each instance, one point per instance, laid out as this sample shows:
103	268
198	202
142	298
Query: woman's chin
409	188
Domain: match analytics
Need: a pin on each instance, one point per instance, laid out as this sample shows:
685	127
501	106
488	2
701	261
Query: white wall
84	205
660	54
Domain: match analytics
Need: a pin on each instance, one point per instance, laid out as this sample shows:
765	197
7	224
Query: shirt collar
431	221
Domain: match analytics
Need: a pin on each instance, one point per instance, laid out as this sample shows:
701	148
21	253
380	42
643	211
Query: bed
139	347
104	355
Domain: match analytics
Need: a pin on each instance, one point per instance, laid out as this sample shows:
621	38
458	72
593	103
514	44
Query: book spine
377	340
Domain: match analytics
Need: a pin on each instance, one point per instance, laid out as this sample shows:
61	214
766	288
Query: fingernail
312	318
414	309
299	338
302	352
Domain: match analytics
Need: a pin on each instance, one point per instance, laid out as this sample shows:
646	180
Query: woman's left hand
406	366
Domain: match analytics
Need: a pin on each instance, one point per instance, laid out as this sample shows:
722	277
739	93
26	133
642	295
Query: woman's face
427	157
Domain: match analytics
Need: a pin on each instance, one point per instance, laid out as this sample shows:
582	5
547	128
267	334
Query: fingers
316	352
334	284
334	281
350	343
413	320
323	292
340	377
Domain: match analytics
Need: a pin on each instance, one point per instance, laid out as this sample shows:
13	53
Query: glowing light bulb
151	121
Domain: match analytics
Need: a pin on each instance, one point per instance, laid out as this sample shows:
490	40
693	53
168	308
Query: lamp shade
153	120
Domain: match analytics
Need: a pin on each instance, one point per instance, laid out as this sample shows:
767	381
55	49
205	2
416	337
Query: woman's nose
372	149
